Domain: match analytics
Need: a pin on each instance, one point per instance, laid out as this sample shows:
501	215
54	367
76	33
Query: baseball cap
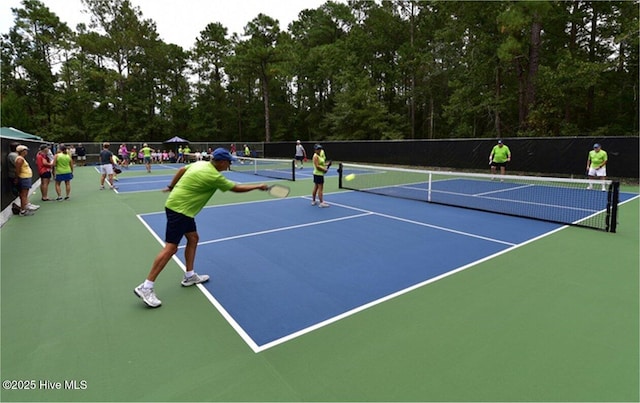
21	148
317	147
222	154
499	141
596	145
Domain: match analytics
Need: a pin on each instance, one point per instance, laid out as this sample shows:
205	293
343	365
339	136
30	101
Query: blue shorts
24	183
45	175
64	177
318	179
147	160
178	224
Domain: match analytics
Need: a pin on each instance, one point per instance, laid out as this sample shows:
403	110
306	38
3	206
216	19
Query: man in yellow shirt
597	165
500	155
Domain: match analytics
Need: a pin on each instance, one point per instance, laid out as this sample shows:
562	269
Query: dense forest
349	70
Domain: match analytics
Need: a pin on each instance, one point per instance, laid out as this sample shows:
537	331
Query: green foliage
385	69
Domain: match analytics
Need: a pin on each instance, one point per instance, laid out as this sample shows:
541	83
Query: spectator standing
11	167
24	175
71	150
44	170
64	172
81	155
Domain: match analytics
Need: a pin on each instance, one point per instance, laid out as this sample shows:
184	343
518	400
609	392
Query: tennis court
373	299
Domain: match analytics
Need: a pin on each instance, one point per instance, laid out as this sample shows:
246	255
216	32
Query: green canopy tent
18	134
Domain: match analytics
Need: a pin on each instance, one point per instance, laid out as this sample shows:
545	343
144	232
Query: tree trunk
534	61
592	58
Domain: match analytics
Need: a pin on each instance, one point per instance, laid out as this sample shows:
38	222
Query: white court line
503	190
394	295
468	234
257	349
279	229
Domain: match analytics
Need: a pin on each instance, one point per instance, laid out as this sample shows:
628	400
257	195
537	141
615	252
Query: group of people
193	185
58	166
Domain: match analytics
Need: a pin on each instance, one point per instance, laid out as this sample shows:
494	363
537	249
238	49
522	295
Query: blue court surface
135	179
281	268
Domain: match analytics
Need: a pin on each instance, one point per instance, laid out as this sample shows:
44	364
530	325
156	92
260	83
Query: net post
340	176
429	187
293	170
613	197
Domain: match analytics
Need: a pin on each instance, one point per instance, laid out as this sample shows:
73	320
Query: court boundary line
437	227
364	213
260	348
398	293
280	229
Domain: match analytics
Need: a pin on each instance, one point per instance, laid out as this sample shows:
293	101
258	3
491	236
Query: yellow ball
350	177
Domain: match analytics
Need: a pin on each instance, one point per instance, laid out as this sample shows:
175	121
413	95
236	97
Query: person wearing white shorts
597	165
106	166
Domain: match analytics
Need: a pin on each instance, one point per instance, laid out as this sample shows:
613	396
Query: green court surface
553	320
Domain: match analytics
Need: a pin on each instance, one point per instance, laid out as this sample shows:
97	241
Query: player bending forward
191	188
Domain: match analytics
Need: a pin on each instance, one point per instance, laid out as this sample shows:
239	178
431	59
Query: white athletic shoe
148	296
313	203
323	204
195	279
32	206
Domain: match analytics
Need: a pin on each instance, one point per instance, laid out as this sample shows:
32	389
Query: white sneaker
313	203
323	204
195	279
589	187
148	296
32	206
24	213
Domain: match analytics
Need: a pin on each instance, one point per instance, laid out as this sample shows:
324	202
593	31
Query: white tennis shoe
195	279
148	296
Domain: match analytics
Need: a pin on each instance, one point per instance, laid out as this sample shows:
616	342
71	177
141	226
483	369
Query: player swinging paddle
191	188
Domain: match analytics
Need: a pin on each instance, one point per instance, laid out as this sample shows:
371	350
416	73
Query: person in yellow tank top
24	174
319	169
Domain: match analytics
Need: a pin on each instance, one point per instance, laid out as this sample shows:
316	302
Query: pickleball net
271	168
580	202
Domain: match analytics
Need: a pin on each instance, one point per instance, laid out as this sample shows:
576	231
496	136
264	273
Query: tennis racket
329	165
279	191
